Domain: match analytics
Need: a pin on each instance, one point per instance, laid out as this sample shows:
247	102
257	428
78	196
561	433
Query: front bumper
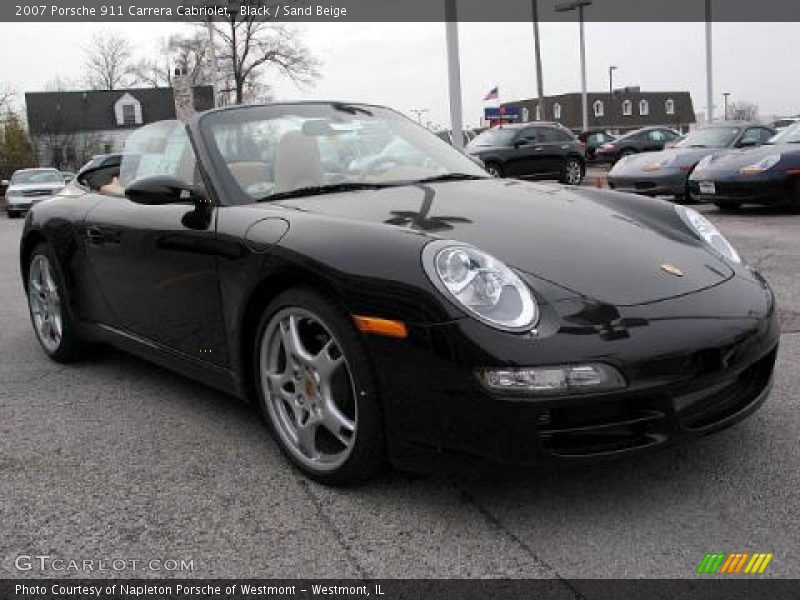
665	183
768	190
687	376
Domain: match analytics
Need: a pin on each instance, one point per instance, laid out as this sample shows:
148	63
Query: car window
557	135
160	149
751	135
280	149
43	176
657	136
710	137
531	134
497	136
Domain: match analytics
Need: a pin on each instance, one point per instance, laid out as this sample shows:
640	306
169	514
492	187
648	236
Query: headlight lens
765	164
708	232
661	164
705	162
13	193
482	285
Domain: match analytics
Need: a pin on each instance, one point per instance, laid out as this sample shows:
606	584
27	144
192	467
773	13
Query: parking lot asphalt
116	458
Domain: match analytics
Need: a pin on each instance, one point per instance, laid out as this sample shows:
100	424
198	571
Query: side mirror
5	183
163	190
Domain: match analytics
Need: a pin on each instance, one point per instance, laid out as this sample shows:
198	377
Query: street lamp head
575	4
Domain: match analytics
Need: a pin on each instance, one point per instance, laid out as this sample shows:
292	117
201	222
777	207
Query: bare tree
6	97
250	46
108	61
188	52
743	110
60	84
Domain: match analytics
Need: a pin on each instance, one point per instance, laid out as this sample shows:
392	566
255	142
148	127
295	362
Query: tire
573	171
321	404
48	306
494	169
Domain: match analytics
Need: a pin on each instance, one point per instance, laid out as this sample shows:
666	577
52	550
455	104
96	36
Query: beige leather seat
248	173
297	162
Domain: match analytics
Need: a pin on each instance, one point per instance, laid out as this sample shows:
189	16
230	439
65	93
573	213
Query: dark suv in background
531	150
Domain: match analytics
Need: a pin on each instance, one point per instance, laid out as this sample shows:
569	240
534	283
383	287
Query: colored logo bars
743	562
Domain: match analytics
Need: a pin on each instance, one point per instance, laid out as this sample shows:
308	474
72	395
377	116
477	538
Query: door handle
538	148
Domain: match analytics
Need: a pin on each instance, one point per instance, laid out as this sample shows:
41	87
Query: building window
557	111
538	112
598	108
644	108
669	106
128	114
627	108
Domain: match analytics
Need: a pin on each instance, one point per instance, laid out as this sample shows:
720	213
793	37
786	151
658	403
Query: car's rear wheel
572	173
49	310
317	389
494	169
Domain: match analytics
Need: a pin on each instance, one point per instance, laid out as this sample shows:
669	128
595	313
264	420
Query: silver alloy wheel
574	173
45	303
308	389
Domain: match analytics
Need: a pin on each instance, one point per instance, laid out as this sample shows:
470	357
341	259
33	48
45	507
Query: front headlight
13	193
481	284
661	164
708	232
765	164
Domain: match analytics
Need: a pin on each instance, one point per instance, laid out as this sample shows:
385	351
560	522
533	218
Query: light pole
418	112
454	73
537	52
726	94
579	5
709	65
611	70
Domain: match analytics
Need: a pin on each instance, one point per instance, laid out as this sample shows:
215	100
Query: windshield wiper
452	177
317	190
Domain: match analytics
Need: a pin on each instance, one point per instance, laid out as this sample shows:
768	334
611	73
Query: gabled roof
93	110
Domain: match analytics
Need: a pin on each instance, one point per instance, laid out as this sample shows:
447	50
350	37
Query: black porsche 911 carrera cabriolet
380	298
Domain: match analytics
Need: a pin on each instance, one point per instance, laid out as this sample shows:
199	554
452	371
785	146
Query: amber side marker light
385	327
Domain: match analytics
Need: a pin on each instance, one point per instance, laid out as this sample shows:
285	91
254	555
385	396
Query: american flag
493	94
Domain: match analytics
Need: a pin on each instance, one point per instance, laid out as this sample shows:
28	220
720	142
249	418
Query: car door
156	264
526	156
655	140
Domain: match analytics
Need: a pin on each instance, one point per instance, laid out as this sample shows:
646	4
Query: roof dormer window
128	111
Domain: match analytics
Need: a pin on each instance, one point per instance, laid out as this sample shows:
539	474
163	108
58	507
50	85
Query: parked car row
666	173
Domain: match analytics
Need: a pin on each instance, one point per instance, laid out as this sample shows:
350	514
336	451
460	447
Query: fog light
564	379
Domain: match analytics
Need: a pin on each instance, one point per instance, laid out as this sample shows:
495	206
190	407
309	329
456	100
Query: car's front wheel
317	390
494	169
49	310
572	173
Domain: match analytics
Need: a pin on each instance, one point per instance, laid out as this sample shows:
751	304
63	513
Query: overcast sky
404	64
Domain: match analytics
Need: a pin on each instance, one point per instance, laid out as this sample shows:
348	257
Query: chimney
184	99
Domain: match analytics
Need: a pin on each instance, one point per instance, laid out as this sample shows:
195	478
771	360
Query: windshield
713	137
494	137
278	150
26	177
790	135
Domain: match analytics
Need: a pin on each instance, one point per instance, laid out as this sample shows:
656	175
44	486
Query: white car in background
29	186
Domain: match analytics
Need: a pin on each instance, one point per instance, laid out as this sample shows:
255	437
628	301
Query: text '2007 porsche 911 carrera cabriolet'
400	307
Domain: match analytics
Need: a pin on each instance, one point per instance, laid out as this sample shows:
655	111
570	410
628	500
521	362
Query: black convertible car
410	308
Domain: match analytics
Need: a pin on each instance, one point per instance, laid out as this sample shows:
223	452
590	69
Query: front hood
681	158
733	161
575	239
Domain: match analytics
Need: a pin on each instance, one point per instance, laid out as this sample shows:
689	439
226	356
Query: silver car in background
29	186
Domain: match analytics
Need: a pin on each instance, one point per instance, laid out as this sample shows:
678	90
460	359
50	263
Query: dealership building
624	110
